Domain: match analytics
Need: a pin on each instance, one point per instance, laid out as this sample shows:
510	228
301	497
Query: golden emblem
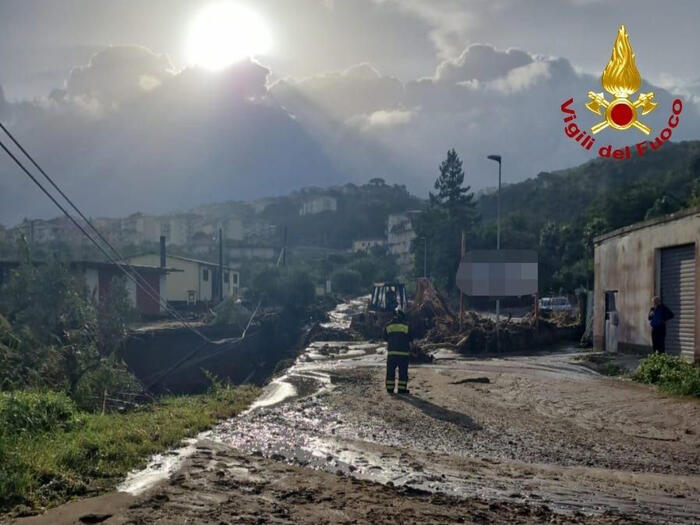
621	79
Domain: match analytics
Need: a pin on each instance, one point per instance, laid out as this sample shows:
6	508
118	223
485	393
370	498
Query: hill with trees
559	213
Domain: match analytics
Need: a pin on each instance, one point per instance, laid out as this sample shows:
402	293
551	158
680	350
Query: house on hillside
195	282
399	235
319	204
660	257
365	245
139	228
98	276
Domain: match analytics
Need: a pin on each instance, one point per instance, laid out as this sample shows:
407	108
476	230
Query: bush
671	374
231	313
34	412
346	282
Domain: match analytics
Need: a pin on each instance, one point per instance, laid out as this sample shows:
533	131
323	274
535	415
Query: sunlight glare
224	33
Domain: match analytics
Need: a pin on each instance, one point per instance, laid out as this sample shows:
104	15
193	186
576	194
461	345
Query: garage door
678	293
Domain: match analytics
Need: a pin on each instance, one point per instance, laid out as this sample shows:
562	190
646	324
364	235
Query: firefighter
398	337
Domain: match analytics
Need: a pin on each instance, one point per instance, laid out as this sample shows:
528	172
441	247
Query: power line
135	277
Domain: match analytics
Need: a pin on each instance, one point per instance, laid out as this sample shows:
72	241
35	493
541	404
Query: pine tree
451	194
449	212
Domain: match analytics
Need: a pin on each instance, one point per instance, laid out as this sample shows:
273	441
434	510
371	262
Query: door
678	293
612	321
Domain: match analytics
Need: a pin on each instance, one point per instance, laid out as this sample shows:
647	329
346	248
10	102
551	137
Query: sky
106	96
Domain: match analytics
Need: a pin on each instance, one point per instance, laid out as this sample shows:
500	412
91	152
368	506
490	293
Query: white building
139	228
365	245
196	280
400	234
318	205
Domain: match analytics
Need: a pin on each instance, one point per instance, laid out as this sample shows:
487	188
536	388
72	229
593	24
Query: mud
528	439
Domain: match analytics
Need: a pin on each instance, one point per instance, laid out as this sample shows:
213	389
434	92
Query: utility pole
498	159
284	248
462	251
221	264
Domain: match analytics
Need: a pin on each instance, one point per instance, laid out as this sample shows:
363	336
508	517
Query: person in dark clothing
658	315
398	337
391	302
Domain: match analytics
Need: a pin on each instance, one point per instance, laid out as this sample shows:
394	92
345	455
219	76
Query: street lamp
497	158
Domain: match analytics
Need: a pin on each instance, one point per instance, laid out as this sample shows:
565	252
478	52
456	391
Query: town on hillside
337	262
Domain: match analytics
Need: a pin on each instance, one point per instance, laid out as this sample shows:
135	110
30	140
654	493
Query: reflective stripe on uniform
398	353
397	327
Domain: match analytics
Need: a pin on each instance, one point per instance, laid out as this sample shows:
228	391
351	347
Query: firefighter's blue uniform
398	337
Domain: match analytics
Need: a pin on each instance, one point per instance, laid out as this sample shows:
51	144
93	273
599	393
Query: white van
555	304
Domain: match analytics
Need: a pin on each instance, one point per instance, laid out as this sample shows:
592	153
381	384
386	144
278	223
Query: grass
50	452
603	364
672	374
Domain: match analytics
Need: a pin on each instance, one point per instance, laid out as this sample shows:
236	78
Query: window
226	277
235	279
205	274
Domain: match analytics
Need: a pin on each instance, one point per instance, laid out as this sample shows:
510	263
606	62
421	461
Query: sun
224	33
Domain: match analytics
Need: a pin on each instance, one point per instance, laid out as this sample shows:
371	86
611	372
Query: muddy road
528	439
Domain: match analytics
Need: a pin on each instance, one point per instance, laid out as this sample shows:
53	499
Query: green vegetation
361	213
558	214
671	374
51	452
52	335
346	281
448	212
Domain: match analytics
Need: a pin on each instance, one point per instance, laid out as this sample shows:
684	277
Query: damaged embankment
79	454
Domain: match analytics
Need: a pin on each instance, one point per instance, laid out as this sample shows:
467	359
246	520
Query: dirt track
544	440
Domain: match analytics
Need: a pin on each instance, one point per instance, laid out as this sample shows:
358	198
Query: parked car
556	304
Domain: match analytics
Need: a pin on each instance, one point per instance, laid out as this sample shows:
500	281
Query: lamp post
497	158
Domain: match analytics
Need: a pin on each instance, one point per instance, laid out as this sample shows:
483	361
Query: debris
472	380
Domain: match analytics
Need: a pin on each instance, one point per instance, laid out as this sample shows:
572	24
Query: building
365	245
400	235
138	228
98	277
632	264
145	298
196	280
242	253
178	229
319	204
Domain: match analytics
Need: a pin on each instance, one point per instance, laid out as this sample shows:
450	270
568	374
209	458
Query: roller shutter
678	293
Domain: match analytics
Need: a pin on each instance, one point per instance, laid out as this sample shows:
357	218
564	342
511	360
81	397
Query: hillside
559	213
561	195
361	213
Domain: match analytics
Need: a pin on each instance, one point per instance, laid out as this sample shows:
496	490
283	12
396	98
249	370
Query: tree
113	314
346	281
448	212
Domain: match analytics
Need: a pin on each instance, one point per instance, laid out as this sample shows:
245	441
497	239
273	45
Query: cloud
360	89
195	137
450	21
484	101
128	133
117	74
481	62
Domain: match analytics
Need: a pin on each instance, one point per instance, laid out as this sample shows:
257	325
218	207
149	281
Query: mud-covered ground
526	439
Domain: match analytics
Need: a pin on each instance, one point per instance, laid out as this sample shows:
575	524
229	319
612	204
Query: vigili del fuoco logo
620	113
